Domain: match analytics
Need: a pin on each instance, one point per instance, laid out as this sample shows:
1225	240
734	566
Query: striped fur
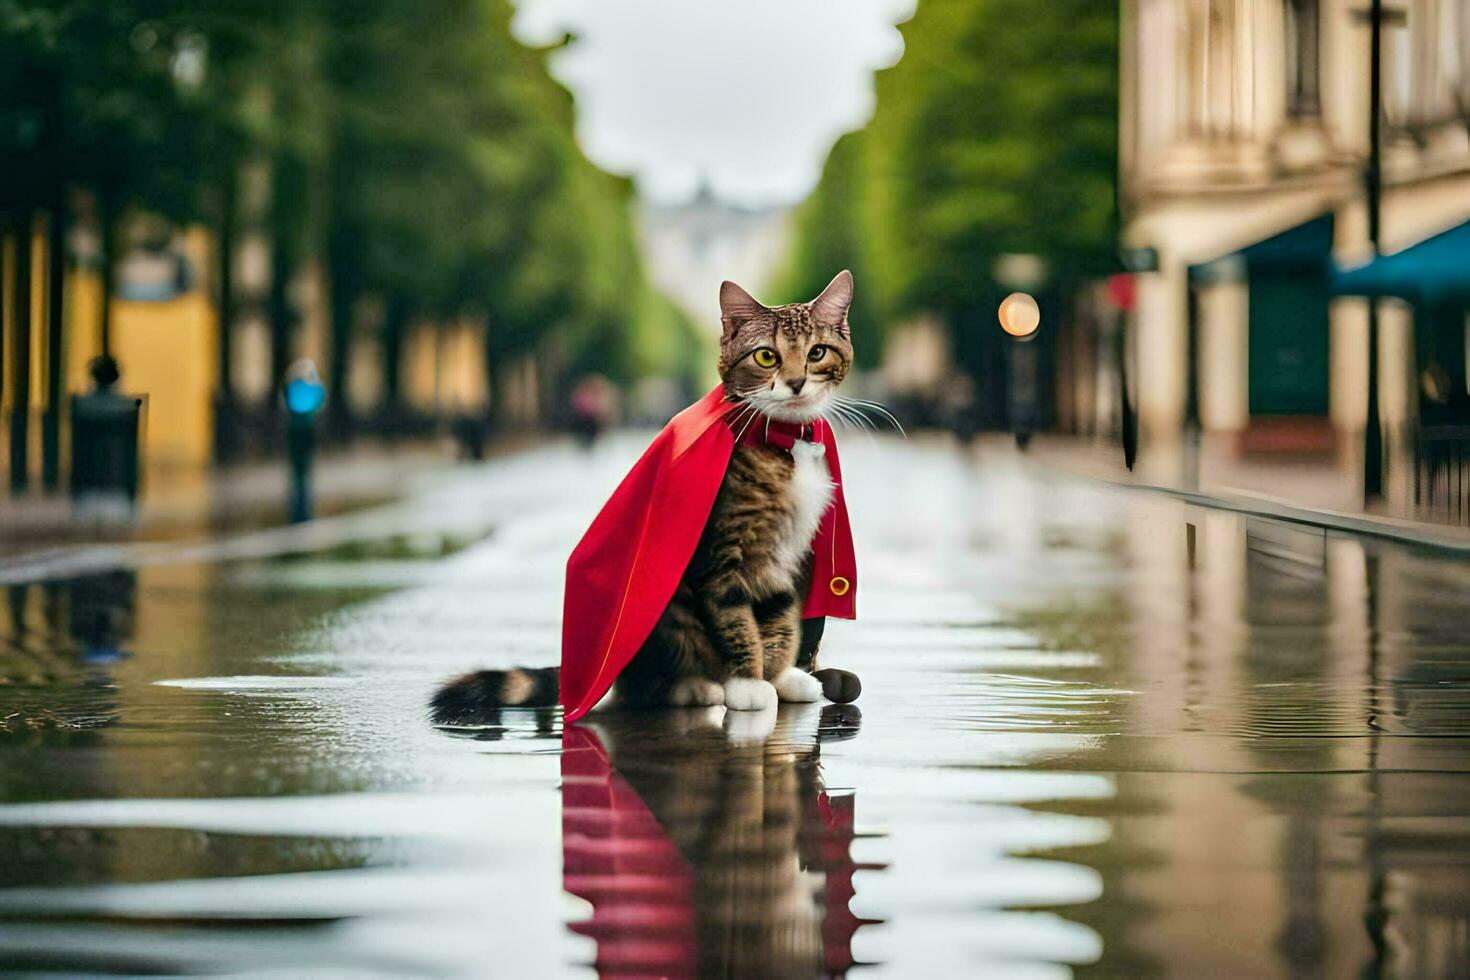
471	699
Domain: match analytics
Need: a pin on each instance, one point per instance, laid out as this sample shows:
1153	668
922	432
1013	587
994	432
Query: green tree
996	133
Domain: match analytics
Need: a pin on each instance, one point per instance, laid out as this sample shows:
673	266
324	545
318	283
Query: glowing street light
1019	318
1019	315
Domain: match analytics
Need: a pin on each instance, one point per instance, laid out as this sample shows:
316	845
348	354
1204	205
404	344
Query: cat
733	634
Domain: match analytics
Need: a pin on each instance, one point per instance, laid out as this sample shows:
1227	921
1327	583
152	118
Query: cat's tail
476	696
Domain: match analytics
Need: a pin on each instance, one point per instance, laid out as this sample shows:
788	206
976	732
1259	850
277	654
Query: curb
1387	528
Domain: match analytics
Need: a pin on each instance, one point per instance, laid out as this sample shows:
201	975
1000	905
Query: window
1302	58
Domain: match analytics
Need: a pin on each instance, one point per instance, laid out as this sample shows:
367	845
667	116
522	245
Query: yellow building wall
36	325
82	339
444	367
167	351
419	369
463	383
38	315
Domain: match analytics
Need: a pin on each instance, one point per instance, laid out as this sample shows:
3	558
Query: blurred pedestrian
471	430
594	407
304	395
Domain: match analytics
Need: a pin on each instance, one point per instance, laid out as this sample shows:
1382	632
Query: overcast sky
747	94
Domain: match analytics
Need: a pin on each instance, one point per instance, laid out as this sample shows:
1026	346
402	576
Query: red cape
624	571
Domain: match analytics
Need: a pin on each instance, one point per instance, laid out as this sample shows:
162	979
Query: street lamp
1373	195
1020	317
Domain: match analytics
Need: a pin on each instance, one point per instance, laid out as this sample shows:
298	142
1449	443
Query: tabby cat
733	632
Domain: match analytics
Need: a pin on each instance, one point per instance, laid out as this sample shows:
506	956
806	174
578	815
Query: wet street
1102	733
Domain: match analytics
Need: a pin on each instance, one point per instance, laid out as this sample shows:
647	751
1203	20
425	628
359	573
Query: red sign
1122	291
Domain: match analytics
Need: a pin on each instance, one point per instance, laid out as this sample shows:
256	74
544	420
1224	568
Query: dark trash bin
104	445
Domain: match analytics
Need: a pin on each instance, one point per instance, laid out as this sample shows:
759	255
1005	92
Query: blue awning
1307	246
1435	269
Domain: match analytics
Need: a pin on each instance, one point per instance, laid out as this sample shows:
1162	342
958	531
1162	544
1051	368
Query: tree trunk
344	291
225	441
229	214
280	315
20	346
4	298
287	206
395	321
55	290
109	217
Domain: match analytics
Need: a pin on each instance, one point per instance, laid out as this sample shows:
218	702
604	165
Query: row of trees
414	148
995	134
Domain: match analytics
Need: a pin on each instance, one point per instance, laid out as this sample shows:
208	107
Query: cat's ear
831	306
737	306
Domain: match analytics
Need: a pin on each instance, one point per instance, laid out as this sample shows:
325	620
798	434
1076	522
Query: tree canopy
996	133
416	145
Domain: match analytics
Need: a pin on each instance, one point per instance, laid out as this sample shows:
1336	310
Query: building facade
1245	133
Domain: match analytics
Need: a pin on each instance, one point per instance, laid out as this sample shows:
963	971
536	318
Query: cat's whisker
863	405
849	418
746	413
843	408
754	415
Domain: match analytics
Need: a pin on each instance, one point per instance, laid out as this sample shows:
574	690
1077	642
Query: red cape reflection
704	857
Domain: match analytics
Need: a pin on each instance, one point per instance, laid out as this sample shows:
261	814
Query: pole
1373	188
55	293
1193	429
109	215
20	349
224	440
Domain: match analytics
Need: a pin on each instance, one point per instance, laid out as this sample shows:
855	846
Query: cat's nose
795	385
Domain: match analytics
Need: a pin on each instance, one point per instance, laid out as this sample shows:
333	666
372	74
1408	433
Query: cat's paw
750	727
698	721
749	694
797	685
699	691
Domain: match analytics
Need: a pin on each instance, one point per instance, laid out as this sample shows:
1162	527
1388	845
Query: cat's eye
817	353
765	357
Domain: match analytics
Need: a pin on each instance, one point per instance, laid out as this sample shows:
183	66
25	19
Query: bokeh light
1019	315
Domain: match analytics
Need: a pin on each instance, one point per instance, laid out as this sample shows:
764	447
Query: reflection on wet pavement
1101	733
711	850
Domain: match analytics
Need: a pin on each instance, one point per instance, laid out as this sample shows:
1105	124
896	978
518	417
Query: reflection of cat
704	855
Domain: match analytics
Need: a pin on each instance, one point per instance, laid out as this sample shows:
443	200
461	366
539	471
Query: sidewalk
179	501
1312	489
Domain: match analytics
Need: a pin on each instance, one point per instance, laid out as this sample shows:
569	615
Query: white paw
696	691
697	720
749	694
750	727
798	685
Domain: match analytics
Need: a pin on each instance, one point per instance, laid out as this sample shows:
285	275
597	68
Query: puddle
1101	734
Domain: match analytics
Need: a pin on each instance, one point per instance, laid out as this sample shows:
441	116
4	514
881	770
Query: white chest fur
811	494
